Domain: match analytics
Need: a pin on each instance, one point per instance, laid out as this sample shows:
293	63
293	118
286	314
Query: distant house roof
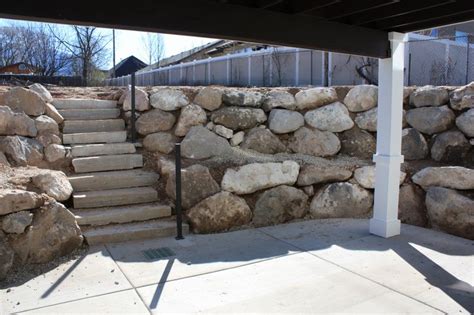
127	66
18	68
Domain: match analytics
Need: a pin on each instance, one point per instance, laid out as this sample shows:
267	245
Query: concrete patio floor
331	266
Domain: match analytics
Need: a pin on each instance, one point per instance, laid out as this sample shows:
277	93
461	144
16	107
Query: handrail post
132	118
179	214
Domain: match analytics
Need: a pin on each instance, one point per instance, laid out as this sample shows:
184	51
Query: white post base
384	228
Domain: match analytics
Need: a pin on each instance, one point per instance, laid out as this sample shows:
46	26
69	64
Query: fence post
179	214
409	69
467	59
132	118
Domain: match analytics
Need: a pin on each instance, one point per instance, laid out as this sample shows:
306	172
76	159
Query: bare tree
154	47
279	60
366	68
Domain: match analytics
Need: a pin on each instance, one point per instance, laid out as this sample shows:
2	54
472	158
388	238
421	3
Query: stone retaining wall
266	156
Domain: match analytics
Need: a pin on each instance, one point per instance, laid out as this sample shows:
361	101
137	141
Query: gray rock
414	146
463	97
169	99
361	98
14	200
22	151
52	112
279	205
411	205
333	117
357	143
279	99
317	174
314	142
243	98
263	141
257	176
315	97
42	91
191	115
341	200
365	176
200	143
450	211
6	257
142	102
53	233
209	98
284	121
28	101
16	123
48	139
455	177
218	213
3	159
54	183
465	123
237	138
367	120
17	222
308	190
429	96
223	131
160	142
450	147
154	121
431	120
237	118
45	124
54	152
197	184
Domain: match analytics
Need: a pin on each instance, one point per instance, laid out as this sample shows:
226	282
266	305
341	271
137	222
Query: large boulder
54	183
414	145
142	102
52	112
463	97
237	118
361	98
411	205
196	185
42	91
431	120
159	142
28	101
16	223
22	151
200	143
53	233
341	200
209	98
218	213
314	142
315	97
191	115
450	147
429	96
282	121
54	153
7	256
279	205
465	123
357	143
14	200
279	99
243	98
154	121
169	99
367	120
455	177
263	141
333	117
318	174
45	124
257	176
16	123
450	211
47	139
365	176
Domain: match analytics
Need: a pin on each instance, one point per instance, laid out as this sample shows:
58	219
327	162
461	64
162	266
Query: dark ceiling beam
266	4
304	7
208	19
443	20
362	7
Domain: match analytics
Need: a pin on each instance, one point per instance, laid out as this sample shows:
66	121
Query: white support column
385	221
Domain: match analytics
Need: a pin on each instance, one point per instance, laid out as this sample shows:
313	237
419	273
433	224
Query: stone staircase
113	197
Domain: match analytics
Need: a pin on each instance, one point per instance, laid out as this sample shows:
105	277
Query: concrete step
114	197
107	163
90	114
76	103
95	137
81	126
102	149
113	180
132	231
123	214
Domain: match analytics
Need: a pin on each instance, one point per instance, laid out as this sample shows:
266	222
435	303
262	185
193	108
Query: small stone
367	120
314	142
285	121
455	177
465	123
243	98
48	139
200	143
333	117
429	96
46	124
142	102
308	190
209	98
361	98
315	97
223	131
17	222
210	125
42	92
237	139
153	121
237	118
279	99
414	145
263	141
450	147
365	176
160	142
168	99
357	143
191	115
52	112
54	183
54	152
318	174
431	120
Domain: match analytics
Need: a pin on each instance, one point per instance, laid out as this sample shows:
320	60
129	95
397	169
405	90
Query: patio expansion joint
353	272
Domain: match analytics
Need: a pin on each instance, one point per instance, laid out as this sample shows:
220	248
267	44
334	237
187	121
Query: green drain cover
158	253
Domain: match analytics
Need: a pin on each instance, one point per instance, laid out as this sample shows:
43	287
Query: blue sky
130	42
